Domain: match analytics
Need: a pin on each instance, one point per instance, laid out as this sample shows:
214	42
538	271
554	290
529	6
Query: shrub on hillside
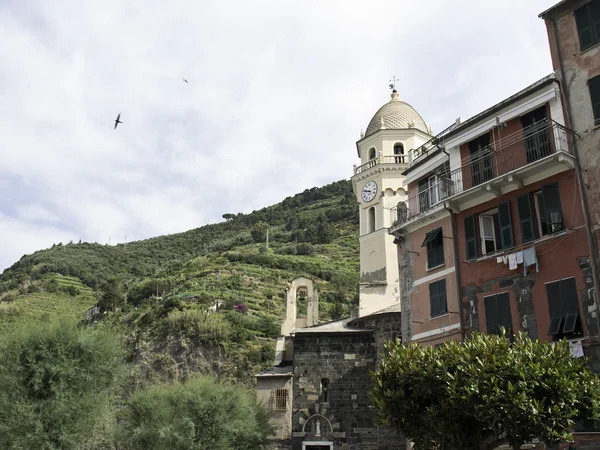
57	384
304	249
209	415
198	326
286	250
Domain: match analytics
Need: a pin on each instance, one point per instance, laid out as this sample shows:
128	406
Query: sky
277	94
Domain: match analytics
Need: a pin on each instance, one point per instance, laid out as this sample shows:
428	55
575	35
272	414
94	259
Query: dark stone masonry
332	385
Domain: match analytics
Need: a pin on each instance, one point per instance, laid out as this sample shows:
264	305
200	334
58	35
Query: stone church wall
344	416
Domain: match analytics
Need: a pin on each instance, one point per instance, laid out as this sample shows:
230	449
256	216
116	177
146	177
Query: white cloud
277	95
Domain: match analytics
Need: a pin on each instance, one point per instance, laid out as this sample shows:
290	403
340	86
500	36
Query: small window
437	298
399	153
325	390
371	219
563	305
588	24
372	153
280	399
434	241
594	85
497	313
489	228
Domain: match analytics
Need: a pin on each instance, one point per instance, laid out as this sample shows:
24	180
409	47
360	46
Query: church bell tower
384	151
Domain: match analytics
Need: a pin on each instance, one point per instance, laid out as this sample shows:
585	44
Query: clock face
369	191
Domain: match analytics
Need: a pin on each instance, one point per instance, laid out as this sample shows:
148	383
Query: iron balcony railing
519	150
401	160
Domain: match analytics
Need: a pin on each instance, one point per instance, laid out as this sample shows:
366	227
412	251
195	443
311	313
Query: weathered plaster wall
266	387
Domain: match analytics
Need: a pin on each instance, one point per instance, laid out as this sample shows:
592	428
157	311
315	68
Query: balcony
545	148
399	162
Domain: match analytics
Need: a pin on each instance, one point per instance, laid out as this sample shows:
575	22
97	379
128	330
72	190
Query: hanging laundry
505	259
512	261
499	259
529	259
576	348
519	257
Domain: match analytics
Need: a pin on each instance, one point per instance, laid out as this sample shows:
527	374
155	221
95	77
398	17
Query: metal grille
280	400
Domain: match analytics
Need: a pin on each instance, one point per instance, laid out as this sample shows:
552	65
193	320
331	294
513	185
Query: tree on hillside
321	231
58	382
484	392
259	231
228	216
209	415
113	294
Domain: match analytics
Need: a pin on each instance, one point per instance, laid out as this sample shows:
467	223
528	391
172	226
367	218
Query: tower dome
396	115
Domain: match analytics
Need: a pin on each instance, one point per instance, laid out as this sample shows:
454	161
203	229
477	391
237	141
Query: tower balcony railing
491	166
398	160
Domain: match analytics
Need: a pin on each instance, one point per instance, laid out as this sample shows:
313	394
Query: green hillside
161	292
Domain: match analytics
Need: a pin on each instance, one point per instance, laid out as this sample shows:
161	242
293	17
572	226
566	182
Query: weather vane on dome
393	82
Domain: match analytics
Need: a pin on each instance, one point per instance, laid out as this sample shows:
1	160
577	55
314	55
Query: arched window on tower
371	219
372	153
324	390
399	153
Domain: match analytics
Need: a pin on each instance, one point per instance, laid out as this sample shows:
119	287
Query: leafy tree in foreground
57	384
484	392
201	414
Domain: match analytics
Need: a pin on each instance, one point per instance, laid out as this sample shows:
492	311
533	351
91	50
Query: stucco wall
265	393
559	257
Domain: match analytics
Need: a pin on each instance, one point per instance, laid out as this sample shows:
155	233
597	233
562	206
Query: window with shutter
594	86
424	202
471	237
552	207
526	218
506	232
587	19
437	298
497	313
434	240
563	305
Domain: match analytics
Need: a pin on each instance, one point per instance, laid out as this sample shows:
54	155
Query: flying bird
184	80
117	122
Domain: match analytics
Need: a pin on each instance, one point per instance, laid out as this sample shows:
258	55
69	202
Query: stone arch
300	285
372	153
317	425
328	423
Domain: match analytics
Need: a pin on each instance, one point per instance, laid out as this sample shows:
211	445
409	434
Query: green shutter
503	301
554	218
526	218
506	233
442	303
568	294
595	16
584	28
492	317
555	303
471	237
594	86
433	299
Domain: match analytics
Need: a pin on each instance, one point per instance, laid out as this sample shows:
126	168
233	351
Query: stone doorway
317	446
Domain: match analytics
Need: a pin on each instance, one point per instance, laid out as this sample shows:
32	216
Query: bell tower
384	152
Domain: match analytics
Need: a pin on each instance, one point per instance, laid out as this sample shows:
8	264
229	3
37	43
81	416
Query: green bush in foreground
57	383
200	414
484	392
